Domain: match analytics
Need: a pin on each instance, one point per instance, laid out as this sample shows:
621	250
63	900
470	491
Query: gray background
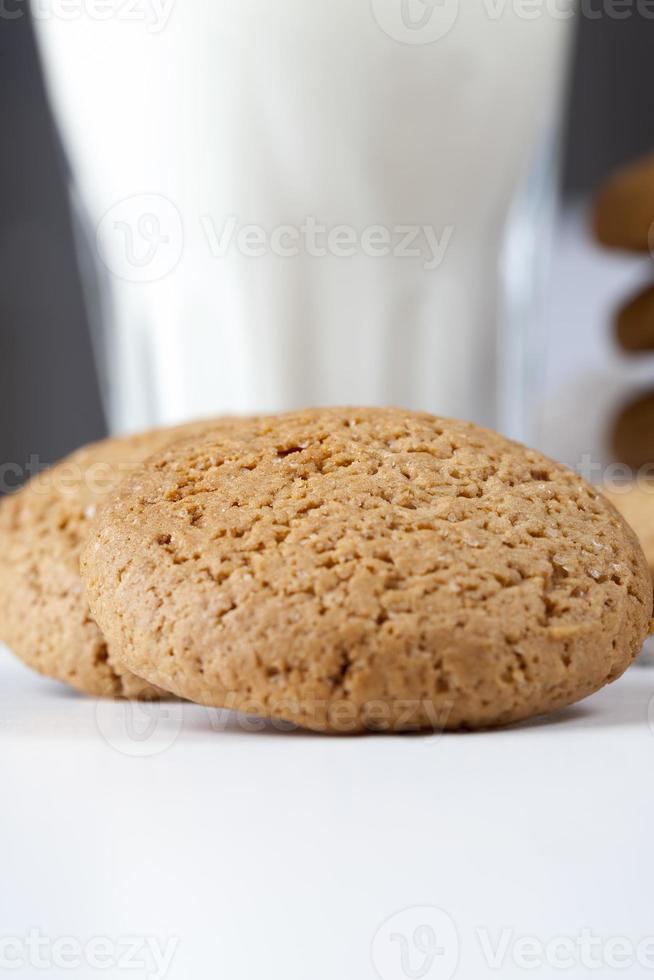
49	401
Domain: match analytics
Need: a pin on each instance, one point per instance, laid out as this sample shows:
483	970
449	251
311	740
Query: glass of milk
293	203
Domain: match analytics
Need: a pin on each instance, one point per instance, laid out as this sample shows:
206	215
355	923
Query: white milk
409	124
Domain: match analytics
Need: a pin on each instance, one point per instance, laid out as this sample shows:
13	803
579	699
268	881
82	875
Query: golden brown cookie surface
349	569
44	616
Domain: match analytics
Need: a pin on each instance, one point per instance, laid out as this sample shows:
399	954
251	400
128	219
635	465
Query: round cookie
355	569
624	207
636	504
44	616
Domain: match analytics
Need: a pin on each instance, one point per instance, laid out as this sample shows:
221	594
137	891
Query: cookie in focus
357	569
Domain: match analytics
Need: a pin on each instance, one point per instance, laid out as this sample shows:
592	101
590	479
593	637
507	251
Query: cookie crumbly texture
354	569
44	616
636	504
624	208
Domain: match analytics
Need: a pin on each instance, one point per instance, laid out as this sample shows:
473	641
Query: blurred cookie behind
623	218
624	208
632	433
634	325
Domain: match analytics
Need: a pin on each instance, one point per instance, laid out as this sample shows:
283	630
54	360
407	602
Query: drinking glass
283	204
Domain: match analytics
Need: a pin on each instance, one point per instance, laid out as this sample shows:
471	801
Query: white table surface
275	855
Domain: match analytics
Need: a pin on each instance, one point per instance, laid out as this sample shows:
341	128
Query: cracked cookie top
348	569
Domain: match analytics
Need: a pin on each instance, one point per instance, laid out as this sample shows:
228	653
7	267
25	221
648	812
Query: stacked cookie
342	569
624	219
44	615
